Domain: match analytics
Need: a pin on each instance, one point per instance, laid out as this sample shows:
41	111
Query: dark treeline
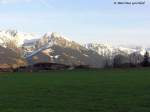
132	60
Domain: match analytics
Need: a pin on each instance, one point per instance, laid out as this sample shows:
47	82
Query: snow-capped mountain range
56	48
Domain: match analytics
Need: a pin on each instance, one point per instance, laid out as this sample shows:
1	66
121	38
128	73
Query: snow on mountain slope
56	35
31	43
46	46
51	39
54	38
102	49
58	49
108	50
23	37
66	51
14	36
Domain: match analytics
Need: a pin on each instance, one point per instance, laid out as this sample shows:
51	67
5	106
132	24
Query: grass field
125	90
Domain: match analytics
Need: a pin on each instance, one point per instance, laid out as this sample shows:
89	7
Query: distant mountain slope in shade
57	49
10	58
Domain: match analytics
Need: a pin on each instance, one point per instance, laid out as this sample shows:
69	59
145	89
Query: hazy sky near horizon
80	20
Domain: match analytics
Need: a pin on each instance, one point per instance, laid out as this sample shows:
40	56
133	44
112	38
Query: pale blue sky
80	20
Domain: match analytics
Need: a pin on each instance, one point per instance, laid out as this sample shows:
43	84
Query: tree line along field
114	90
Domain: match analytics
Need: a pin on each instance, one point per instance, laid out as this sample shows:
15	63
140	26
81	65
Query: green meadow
114	90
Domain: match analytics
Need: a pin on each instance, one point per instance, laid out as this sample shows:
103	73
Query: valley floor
117	90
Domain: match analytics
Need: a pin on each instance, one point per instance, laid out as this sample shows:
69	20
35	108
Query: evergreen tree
146	60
